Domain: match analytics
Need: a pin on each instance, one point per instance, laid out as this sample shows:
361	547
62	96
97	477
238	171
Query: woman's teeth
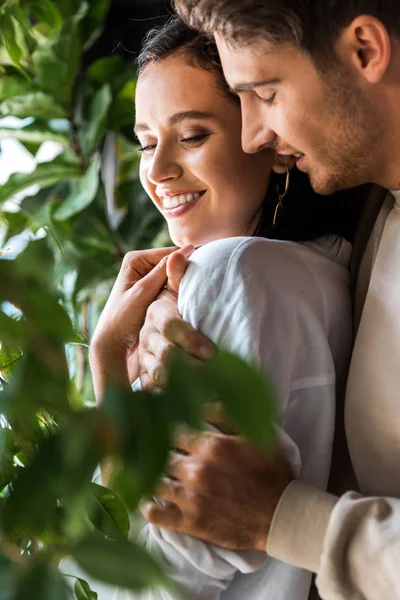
175	201
299	155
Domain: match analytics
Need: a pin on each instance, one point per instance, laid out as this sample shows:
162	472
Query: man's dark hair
311	25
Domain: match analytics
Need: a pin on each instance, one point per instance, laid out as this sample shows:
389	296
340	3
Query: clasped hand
220	489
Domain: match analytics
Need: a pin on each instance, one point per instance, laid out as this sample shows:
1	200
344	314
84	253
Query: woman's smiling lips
179	202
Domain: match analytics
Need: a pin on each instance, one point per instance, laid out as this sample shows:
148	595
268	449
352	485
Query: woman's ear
281	162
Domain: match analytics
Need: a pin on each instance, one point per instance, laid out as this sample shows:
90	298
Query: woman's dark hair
305	214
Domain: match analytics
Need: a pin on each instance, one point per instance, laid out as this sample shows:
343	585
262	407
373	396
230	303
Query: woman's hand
143	274
164	330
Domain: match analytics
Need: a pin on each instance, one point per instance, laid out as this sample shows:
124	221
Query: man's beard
347	161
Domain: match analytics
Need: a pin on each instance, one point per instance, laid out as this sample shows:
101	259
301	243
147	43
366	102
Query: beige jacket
351	542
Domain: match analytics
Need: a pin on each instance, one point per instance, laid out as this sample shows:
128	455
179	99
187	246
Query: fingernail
207	352
187	250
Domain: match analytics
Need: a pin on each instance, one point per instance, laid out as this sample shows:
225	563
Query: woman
285	304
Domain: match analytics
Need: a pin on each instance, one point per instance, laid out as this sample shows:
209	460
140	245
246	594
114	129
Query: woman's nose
163	167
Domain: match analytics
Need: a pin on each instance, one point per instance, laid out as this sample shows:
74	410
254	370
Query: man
320	80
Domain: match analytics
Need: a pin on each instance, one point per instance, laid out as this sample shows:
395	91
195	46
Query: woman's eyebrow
177	118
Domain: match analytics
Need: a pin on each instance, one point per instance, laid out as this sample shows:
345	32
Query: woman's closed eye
195	139
192	140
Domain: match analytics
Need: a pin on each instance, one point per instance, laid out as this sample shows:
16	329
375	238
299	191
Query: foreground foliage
85	211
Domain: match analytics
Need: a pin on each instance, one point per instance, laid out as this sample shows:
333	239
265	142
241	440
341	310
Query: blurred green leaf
247	395
42	580
57	60
119	562
123	108
33	134
83	591
8	357
60	471
14	40
97	120
141	418
11	330
48	12
35	104
8	578
14	86
14	223
44	175
94	21
104	70
107	512
83	194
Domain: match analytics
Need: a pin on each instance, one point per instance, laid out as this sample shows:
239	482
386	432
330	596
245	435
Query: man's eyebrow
177	118
246	87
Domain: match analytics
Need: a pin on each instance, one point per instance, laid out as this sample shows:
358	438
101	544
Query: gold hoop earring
279	205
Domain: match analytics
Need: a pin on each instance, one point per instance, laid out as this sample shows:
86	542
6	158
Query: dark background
127	23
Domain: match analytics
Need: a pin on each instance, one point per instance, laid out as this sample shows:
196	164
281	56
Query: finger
154	255
154	371
178	332
187	440
151	284
176	267
214	413
168	517
176	464
145	381
169	490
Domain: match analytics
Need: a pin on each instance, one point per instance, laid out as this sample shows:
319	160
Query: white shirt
286	306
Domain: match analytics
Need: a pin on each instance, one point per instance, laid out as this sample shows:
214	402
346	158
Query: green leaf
57	60
60	472
35	104
14	86
8	578
47	11
14	39
123	107
95	20
14	222
33	134
95	128
119	562
8	357
11	331
43	582
105	69
83	591
83	194
143	424
45	174
247	395
107	512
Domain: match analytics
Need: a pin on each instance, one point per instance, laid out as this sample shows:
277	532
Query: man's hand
164	329
142	275
223	491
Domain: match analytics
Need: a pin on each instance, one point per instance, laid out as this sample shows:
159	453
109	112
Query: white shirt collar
396	194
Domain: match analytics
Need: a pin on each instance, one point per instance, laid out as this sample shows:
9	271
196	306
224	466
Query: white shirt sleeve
262	300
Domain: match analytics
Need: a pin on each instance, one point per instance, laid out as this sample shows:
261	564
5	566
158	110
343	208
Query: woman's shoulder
269	255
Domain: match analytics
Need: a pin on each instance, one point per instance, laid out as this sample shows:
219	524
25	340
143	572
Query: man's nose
163	166
256	133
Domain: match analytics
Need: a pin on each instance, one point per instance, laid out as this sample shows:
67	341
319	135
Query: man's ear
366	46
